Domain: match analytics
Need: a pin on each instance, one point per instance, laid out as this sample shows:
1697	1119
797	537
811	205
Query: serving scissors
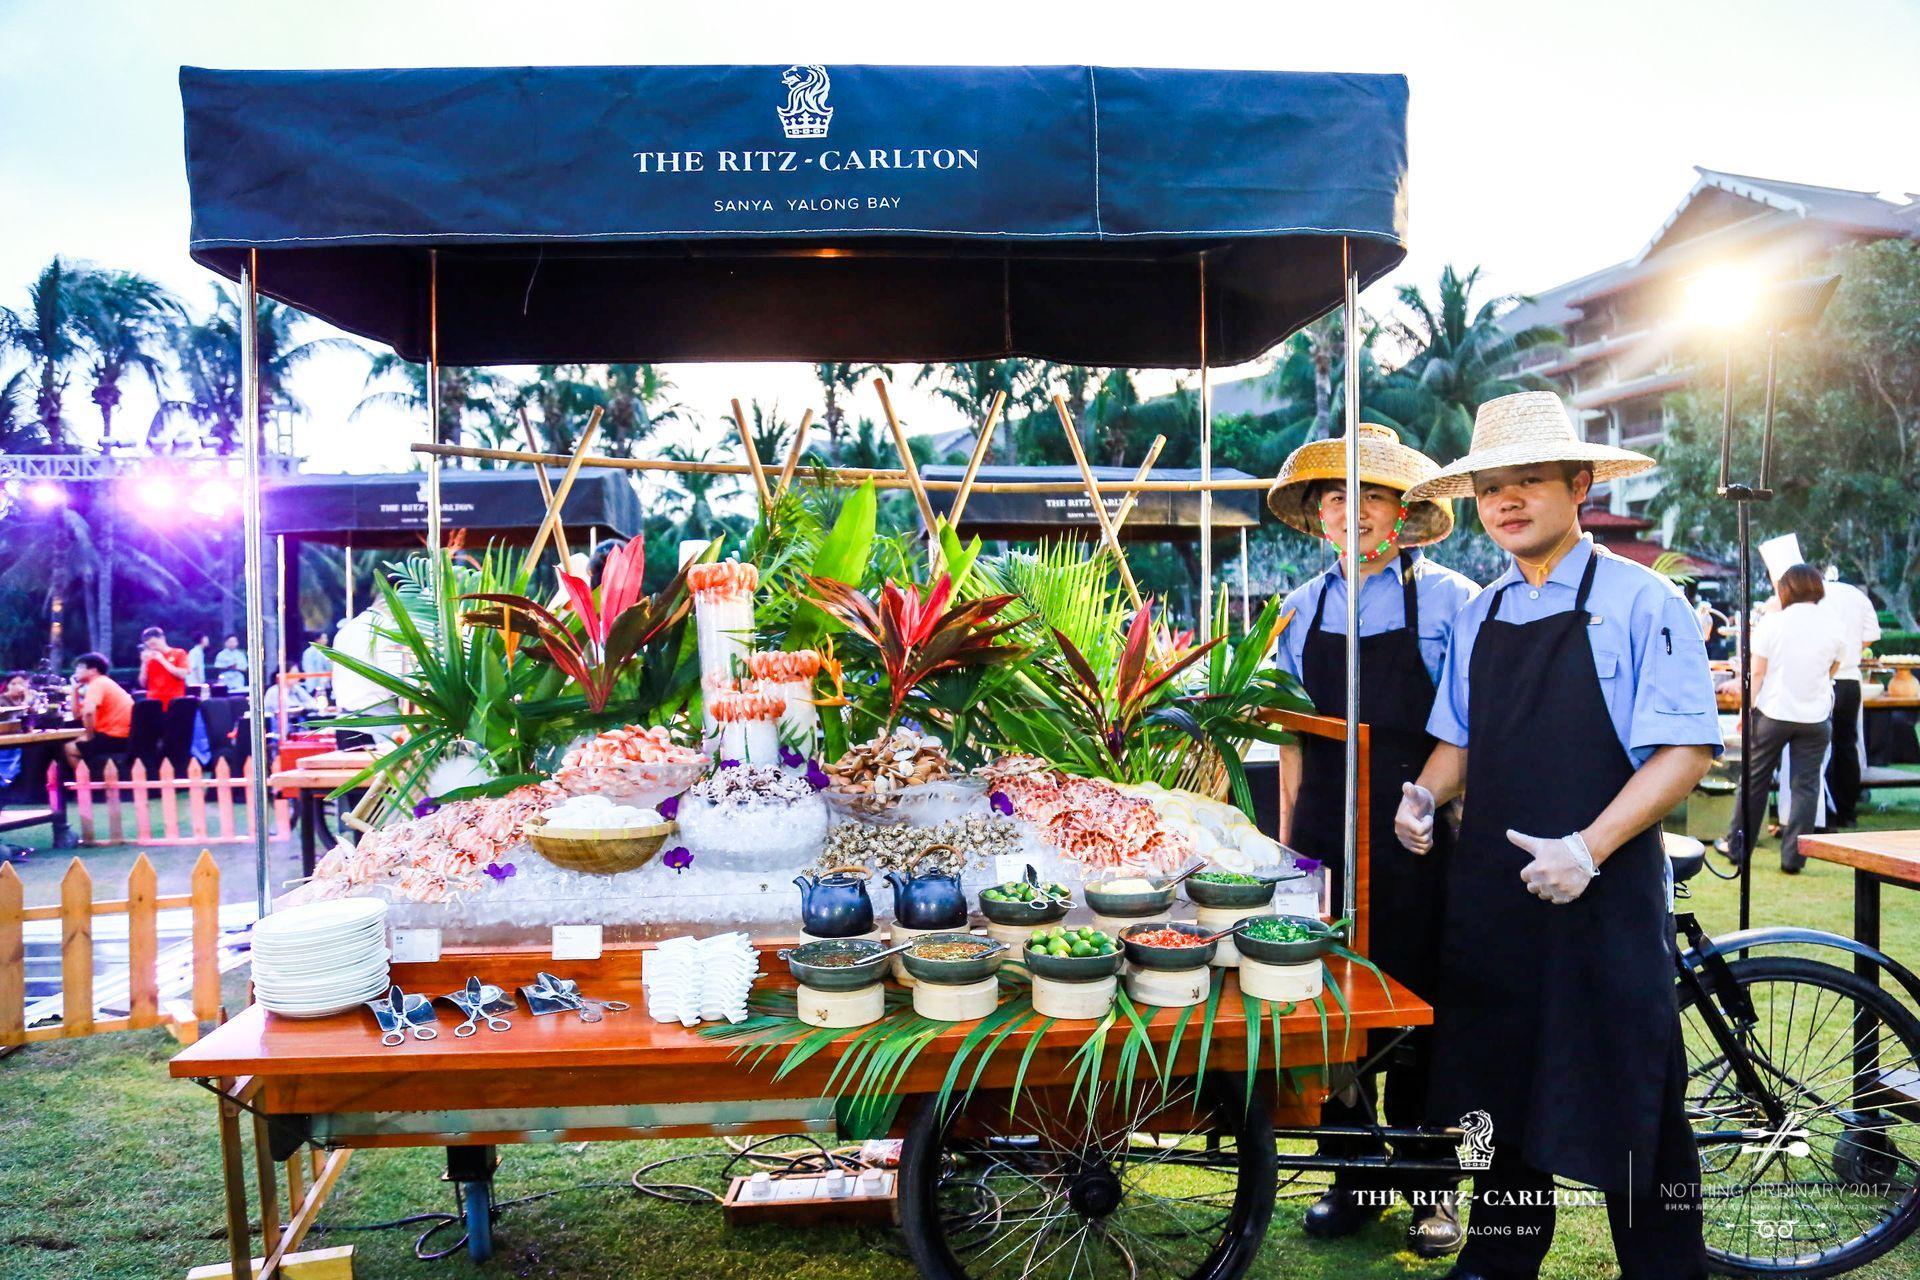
401	1014
481	1002
565	992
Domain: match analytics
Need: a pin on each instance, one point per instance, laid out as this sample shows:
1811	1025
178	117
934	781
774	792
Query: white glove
1413	823
1561	869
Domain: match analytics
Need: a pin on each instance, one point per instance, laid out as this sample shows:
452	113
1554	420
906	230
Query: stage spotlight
157	493
46	495
213	498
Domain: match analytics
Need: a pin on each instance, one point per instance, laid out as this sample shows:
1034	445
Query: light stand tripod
1796	304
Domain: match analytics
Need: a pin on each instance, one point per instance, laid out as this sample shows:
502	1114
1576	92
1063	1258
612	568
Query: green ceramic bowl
1314	948
1122	906
805	964
1150	957
1207	893
952	972
1073	968
1010	911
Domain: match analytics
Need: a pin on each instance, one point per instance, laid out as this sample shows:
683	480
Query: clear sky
1546	139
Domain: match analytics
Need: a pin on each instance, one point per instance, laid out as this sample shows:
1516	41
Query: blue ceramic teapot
835	904
928	899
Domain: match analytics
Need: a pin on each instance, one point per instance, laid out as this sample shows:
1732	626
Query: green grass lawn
110	1169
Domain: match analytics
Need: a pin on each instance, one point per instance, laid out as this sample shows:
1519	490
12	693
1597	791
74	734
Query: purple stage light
45	494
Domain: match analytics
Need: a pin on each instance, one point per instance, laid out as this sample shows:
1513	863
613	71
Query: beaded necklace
1386	543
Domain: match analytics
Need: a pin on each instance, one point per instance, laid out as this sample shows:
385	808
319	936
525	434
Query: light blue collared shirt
1646	649
1440	593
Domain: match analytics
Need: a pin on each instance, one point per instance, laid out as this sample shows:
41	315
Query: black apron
1396	696
1557	1021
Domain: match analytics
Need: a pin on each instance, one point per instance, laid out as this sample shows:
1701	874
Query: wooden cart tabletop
256	1043
1885	702
1894	855
311	779
29	737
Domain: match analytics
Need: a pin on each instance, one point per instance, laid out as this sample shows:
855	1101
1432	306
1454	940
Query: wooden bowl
600	852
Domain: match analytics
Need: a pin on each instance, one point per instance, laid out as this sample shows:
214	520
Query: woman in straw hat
1406	609
1575	711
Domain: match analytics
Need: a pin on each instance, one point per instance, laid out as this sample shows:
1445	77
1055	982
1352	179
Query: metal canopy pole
1206	469
1348	889
256	573
347	555
435	534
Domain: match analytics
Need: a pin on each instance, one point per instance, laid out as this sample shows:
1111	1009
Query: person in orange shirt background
105	710
163	671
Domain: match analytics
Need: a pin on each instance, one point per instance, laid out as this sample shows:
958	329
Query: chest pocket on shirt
1606	664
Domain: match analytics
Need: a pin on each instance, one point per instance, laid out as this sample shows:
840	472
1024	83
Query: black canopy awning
1158	515
492	506
802	212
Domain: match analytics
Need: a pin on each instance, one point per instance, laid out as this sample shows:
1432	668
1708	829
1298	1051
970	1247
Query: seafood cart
572	909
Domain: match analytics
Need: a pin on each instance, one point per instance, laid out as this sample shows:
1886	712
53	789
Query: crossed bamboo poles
770	487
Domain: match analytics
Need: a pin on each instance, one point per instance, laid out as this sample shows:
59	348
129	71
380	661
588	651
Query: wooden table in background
55	814
310	789
1877	857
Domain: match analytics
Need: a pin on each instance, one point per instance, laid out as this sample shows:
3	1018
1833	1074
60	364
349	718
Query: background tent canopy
391	510
1158	515
801	213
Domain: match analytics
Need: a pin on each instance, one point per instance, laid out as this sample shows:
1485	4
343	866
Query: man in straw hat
1574	712
1406	612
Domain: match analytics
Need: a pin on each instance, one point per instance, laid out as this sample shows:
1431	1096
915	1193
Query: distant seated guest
163	670
13	697
197	659
314	662
105	711
230	666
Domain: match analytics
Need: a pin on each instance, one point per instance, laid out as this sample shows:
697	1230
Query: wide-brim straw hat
1383	461
1522	430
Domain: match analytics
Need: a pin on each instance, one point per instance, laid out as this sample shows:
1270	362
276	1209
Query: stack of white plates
693	980
321	957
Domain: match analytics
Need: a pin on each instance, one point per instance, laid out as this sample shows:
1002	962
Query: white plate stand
1114	924
1055	999
956	1002
841	1008
873	933
1288	982
1169	988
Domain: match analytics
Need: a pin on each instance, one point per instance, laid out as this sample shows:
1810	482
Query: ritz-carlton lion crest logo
1475	1148
806	114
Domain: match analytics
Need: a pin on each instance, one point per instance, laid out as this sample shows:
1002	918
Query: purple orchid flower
1308	865
790	758
669	808
500	870
729	764
817	777
1001	804
425	807
679	858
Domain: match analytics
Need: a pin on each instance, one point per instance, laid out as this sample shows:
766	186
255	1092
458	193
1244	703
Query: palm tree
559	396
19	433
864	448
770	434
1463	357
126	321
48	333
207	354
465	392
49	553
836	380
970	385
697	488
638	400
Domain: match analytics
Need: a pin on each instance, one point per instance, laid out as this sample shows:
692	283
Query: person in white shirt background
1796	651
1859	626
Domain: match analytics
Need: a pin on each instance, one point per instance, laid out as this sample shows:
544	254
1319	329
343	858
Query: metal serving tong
401	1015
481	1002
550	995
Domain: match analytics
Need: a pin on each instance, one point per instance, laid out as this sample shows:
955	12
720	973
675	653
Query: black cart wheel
1168	1187
476	1205
1817	1171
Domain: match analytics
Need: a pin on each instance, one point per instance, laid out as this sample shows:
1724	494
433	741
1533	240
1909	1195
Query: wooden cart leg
234	1175
269	1199
296	1182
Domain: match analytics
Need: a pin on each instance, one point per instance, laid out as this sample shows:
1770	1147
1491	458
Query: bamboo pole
980	448
560	495
753	458
1126	504
793	454
907	465
546	485
852	477
1107	530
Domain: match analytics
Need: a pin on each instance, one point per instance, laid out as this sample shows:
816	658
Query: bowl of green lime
1022	902
1077	954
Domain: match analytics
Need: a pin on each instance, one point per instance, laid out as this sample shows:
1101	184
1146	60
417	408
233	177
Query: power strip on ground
868	1199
